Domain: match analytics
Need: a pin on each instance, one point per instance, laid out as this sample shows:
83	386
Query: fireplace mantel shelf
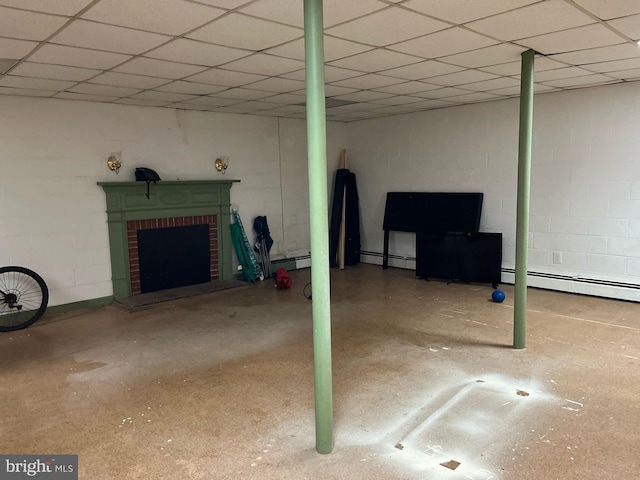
168	182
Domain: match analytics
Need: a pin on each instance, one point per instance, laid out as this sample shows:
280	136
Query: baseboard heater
569	278
391	256
530	273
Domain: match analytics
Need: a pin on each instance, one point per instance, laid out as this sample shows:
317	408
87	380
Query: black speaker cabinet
460	256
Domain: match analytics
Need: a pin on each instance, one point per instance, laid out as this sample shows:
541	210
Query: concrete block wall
585	190
52	153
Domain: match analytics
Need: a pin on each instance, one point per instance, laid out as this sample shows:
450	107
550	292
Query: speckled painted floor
220	386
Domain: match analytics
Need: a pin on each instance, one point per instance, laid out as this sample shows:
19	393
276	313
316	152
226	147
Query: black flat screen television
433	212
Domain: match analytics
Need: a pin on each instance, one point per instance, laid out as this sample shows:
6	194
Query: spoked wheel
23	298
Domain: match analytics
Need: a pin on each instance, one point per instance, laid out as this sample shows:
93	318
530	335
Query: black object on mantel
430	212
144	174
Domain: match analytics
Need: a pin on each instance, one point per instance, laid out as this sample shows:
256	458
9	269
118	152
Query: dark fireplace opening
173	257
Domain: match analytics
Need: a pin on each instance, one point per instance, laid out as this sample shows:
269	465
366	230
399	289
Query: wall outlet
557	257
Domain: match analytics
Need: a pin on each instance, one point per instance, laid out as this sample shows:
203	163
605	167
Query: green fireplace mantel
128	201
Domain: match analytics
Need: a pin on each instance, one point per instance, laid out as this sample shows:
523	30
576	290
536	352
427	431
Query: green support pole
524	190
318	213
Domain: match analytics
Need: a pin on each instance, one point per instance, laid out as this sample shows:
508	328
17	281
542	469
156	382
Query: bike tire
24	288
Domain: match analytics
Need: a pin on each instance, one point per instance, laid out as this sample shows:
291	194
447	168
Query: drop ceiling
382	57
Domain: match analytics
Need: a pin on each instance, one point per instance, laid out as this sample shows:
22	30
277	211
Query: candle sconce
221	164
114	163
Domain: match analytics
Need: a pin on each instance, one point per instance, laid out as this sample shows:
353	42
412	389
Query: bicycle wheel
23	298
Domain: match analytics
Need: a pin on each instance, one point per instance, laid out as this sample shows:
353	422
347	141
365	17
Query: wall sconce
114	163
221	164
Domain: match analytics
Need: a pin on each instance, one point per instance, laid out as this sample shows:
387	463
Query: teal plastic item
251	270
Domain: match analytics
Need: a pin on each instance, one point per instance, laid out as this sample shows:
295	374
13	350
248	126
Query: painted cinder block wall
52	153
585	190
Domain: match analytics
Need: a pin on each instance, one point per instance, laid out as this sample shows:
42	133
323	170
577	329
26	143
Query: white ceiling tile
54	72
180	86
360	106
82	33
266	113
334	48
26	92
398	109
443	93
540	64
16	49
216	76
614	66
427	69
59	7
601	54
537	88
287	98
251	105
558	73
171	17
333	90
632	74
397	100
596	79
262	64
291	11
257	34
408	88
496	54
228	110
543	17
375	60
431	104
331	74
607	9
6	64
187	106
278	85
290	109
34	83
77	57
580	38
244	94
158	68
227	4
198	53
129	81
28	25
386	27
630	26
213	101
473	97
445	42
105	90
367	81
492	84
84	97
461	78
462	11
363	96
157	96
142	103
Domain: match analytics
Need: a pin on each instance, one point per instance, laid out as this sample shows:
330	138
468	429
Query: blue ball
497	296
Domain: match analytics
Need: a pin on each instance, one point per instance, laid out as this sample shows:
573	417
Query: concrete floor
220	386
